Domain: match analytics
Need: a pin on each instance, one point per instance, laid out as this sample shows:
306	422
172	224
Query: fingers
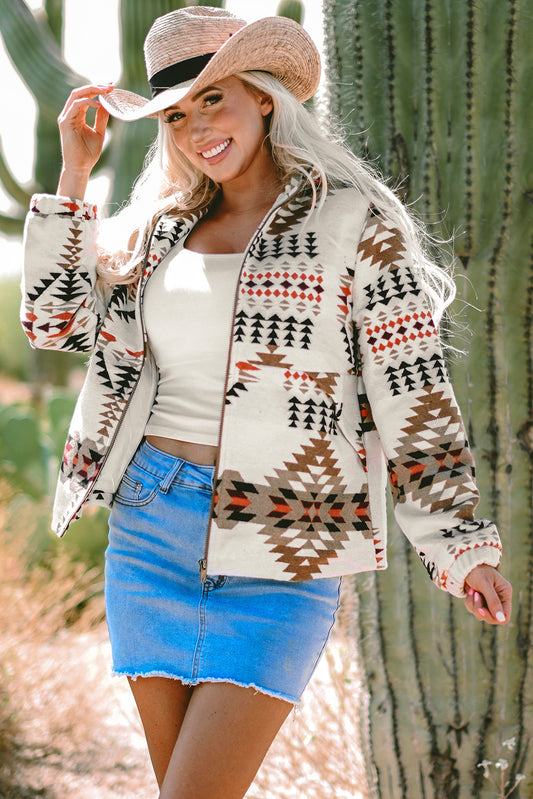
102	118
77	109
83	96
477	604
81	143
488	595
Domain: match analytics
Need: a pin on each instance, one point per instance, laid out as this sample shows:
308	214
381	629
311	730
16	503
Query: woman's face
221	130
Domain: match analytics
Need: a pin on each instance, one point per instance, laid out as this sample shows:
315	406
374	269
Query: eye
174	116
212	99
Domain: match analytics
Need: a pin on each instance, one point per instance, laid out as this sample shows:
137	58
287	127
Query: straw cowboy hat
192	48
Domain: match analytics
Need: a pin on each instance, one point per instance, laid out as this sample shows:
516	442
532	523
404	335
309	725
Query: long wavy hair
300	146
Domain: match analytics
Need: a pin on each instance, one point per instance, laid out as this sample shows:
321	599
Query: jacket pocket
312	400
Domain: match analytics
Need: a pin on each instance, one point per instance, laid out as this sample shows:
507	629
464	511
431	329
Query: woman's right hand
81	144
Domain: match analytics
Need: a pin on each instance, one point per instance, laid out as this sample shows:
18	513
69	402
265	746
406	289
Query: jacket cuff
46	204
486	554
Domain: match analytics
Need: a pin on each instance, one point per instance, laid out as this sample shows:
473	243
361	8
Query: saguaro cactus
439	94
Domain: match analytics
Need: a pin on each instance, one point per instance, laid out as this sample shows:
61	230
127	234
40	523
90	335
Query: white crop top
188	308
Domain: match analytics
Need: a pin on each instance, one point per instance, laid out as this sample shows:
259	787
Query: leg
224	737
162	704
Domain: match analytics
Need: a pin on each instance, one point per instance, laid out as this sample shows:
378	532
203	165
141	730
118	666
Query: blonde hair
170	184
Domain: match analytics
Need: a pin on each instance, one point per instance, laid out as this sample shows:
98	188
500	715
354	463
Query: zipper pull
203	569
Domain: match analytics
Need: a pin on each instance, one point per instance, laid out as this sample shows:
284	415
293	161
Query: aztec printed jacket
335	377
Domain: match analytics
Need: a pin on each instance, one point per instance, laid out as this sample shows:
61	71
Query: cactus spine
440	91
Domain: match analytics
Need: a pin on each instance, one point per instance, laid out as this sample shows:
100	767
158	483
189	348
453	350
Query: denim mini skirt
164	621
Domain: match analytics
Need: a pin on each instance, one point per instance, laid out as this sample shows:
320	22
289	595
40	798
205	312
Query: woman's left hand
488	595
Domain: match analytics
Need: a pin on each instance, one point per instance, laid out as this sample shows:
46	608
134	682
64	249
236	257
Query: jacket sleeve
63	302
430	466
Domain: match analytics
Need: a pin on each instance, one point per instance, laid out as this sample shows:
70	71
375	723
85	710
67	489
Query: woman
267	326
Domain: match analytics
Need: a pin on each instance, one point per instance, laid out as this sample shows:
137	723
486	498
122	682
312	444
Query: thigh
162	705
224	737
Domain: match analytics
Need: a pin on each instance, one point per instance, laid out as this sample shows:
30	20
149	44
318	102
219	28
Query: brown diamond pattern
433	458
305	510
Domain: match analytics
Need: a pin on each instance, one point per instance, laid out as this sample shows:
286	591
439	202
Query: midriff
202	454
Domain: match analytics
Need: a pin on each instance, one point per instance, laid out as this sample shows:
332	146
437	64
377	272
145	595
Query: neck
239	197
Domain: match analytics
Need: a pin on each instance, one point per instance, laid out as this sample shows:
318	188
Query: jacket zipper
202	563
123	414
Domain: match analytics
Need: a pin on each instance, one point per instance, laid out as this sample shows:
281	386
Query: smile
215	150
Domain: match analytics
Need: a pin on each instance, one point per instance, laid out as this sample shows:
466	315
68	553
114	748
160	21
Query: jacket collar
172	230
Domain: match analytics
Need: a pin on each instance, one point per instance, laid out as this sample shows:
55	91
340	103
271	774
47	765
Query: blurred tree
439	96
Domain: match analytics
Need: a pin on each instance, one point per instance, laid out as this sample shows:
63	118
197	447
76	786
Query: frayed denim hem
192	682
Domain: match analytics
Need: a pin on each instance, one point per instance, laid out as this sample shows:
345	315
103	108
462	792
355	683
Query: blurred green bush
15	354
17	359
31	446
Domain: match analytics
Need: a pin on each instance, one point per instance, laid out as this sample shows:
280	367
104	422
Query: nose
197	126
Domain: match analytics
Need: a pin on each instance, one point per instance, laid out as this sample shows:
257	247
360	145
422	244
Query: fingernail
500	616
482	611
470	591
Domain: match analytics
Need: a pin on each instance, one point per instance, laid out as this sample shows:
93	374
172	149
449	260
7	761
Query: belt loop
171	474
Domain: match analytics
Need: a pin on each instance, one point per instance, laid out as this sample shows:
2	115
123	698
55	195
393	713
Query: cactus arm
36	56
10	184
292	9
11	225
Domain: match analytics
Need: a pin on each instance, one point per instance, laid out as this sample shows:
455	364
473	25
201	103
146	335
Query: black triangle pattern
71	285
40	288
272	330
102	371
391	285
234	390
78	342
414	376
284	247
318	415
122	303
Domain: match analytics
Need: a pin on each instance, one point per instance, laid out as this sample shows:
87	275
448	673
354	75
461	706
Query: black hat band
178	73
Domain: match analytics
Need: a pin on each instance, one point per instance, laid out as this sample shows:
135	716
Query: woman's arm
431	468
81	144
63	303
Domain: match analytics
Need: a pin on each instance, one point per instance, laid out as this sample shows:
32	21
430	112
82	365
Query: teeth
216	150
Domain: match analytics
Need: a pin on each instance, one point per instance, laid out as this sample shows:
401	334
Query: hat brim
277	45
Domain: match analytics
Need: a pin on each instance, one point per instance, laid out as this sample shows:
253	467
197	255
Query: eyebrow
193	98
204	91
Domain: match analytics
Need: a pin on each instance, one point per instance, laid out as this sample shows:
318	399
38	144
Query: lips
215	150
